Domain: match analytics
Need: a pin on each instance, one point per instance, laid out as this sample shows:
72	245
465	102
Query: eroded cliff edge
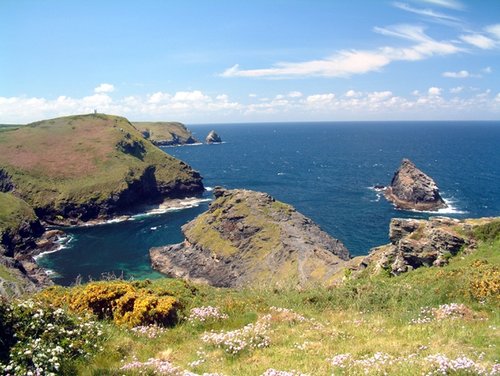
248	238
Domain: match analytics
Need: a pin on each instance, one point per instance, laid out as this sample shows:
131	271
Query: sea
326	170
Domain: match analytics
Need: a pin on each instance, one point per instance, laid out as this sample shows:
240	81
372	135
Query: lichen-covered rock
418	242
412	189
213	137
248	238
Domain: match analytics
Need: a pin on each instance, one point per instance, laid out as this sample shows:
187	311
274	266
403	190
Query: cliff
19	231
412	189
248	238
73	169
164	133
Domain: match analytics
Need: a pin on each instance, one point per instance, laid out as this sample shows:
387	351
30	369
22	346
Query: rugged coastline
248	238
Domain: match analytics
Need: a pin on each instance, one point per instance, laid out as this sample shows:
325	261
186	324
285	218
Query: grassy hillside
164	132
432	321
13	212
90	161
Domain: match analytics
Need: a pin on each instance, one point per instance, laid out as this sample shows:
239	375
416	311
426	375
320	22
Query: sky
219	61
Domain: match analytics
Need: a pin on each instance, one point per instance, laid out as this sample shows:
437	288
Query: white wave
153	228
172	206
281	173
451	209
50	272
181	145
62	242
209	189
119	219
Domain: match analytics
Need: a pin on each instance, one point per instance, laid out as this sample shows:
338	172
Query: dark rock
411	189
213	138
247	238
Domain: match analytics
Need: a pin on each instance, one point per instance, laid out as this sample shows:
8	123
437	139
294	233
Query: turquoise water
324	169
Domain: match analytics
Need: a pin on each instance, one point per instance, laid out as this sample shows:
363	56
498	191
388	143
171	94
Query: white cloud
252	95
104	88
494	30
295	94
425	12
479	40
434	91
197	106
487	70
349	62
459	74
352	94
452	4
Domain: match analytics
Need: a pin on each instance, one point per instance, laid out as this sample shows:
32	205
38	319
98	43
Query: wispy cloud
479	40
451	4
425	12
346	63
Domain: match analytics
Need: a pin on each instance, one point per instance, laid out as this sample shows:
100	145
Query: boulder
213	137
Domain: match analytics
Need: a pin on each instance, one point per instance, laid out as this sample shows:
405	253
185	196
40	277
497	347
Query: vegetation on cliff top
163	132
97	160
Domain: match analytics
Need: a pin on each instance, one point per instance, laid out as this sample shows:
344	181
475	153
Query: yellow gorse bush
126	303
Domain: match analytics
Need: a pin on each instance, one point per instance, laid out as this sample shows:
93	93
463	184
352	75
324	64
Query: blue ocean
326	170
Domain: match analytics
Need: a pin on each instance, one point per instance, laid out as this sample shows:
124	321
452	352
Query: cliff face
19	231
410	188
77	168
417	242
248	238
164	133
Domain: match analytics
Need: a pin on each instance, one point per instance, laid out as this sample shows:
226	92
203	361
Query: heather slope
88	166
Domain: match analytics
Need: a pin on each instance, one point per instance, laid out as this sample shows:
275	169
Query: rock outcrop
412	189
418	242
212	138
164	133
248	238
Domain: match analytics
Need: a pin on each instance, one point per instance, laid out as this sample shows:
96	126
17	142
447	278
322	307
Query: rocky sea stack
412	189
163	133
248	238
212	138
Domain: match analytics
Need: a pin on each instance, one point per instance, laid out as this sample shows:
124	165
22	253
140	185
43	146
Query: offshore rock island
411	189
248	238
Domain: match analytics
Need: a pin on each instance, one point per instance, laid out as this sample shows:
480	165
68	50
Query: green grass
13	211
361	317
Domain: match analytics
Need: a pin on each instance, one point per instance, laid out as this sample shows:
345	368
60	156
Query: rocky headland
248	238
411	189
163	133
74	169
213	138
417	242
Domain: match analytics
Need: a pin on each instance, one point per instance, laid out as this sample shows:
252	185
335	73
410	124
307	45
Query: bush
40	340
126	303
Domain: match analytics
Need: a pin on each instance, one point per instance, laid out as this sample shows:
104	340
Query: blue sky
244	61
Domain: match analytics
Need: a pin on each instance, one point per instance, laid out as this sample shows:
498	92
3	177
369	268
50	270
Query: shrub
40	340
126	303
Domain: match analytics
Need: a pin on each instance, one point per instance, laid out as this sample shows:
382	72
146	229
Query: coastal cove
325	170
